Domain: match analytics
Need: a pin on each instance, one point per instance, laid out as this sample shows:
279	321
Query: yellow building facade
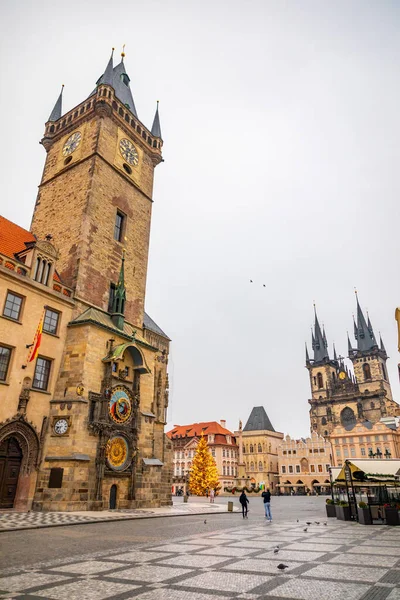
106	398
258	452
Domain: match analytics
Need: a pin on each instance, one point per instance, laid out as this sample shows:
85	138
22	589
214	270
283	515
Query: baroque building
222	445
258	451
83	426
340	396
304	465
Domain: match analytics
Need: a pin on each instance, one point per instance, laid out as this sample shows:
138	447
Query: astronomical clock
113	416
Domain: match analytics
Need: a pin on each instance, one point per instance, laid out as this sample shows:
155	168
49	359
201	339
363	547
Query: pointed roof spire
57	110
108	73
334	352
118	78
320	343
156	128
349	347
363	332
307	356
381	343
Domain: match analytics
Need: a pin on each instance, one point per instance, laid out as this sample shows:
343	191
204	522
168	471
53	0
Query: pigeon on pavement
308	523
305	529
282	567
276	550
325	523
317	522
205	522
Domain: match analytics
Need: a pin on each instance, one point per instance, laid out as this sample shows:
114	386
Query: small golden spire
123	51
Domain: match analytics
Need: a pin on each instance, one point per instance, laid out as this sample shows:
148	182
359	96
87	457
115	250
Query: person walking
244	501
212	495
266	496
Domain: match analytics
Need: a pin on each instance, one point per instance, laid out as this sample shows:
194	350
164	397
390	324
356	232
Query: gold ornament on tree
203	473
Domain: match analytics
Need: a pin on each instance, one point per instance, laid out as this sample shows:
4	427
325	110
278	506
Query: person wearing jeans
266	496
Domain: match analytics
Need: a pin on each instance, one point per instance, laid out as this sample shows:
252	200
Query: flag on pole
36	340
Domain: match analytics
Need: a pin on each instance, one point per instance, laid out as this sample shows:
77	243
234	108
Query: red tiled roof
13	237
195	429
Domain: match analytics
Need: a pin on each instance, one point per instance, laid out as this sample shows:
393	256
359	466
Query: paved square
220	560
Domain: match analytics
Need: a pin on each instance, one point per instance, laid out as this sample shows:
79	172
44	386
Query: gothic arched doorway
113	497
10	465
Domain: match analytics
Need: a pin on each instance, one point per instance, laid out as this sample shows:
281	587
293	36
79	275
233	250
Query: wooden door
113	497
10	465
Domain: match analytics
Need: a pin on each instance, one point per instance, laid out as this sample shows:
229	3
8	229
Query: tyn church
83	417
342	397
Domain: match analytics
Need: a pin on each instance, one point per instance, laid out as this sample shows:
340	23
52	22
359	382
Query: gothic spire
349	347
118	79
108	73
118	307
363	332
307	356
156	127
382	344
320	343
57	110
334	352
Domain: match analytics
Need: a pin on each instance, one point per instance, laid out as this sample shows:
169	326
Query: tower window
119	226
125	78
383	371
366	371
320	381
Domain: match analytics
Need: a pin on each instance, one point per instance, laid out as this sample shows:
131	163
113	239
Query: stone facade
222	445
304	465
106	401
341	396
258	452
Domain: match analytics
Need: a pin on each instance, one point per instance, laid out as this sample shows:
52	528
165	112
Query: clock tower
105	445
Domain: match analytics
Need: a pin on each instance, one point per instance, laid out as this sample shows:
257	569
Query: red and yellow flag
36	340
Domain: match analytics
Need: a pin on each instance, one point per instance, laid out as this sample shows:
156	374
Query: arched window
244	449
325	432
367	371
251	448
251	466
333	376
259	448
323	420
223	470
347	417
320	381
260	466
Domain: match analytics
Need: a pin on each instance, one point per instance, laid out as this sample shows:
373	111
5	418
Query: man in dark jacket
243	499
266	496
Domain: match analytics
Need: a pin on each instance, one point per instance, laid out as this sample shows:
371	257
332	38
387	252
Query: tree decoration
204	473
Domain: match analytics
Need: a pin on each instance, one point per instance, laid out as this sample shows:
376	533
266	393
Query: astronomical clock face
120	405
72	143
61	426
128	152
117	453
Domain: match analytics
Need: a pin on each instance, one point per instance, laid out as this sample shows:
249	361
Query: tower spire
382	345
118	307
334	352
320	343
349	347
108	73
307	356
57	110
156	128
364	333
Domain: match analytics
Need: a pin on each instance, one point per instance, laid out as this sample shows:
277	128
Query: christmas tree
203	474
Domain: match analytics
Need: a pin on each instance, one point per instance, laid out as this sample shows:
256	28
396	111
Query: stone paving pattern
13	521
337	561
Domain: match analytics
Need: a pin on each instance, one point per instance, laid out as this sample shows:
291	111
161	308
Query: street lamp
388	454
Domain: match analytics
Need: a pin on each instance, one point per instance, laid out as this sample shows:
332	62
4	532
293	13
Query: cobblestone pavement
336	561
12	521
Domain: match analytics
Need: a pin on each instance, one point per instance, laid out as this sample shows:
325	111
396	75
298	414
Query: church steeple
363	332
320	343
57	110
118	79
156	128
118	308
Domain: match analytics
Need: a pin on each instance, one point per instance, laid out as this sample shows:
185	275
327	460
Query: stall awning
373	470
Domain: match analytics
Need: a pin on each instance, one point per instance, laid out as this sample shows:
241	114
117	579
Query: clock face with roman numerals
61	426
129	152
72	143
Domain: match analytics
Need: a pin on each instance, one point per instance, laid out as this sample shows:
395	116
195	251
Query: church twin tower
340	397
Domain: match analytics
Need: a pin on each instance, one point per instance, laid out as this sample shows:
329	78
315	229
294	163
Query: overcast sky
281	136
